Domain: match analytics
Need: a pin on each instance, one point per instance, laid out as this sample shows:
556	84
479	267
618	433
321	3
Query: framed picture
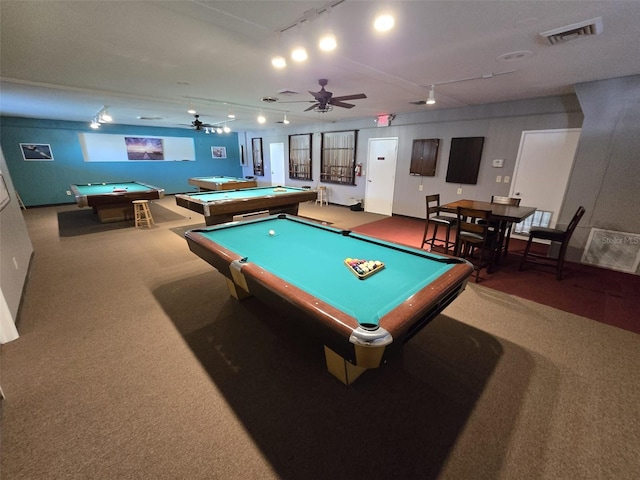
219	152
34	152
144	148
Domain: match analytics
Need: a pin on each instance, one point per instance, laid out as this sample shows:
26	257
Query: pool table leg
236	291
344	371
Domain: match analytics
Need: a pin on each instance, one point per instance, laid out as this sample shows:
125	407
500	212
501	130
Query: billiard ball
272	232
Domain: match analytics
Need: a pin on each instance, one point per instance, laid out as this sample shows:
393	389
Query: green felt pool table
299	266
221	206
222	183
113	201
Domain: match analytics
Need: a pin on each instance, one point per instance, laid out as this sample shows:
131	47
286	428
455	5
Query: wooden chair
555	235
434	218
476	241
507	234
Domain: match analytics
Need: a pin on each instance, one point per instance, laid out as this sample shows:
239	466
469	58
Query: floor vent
614	250
569	32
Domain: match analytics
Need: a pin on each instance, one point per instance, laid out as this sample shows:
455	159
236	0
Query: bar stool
322	196
142	213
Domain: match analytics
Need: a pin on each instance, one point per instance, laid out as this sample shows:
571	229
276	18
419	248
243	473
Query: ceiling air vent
569	32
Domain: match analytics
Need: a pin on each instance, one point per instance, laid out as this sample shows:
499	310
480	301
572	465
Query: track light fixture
102	116
432	97
285	120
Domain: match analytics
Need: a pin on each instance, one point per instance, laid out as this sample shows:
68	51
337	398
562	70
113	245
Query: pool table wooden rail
224	209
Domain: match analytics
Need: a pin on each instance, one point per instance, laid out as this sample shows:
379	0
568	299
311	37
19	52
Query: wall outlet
507	178
68	192
498	163
498	178
460	191
420	187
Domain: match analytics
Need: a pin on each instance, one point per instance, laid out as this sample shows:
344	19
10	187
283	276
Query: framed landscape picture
144	148
219	152
33	152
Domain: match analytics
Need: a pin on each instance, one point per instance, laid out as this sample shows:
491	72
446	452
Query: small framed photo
219	152
34	152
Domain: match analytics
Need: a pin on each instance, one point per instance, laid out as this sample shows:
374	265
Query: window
424	156
300	157
338	160
256	150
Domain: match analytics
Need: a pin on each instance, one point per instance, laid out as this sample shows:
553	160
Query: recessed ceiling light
279	61
299	54
328	43
383	23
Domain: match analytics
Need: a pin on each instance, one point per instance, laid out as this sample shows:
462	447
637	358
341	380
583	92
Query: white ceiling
66	59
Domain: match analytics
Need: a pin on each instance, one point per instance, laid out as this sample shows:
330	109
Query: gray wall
501	124
605	177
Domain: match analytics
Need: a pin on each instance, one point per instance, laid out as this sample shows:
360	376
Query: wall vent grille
575	30
614	250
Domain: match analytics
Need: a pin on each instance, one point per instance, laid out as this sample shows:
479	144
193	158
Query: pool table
298	266
221	206
112	201
222	183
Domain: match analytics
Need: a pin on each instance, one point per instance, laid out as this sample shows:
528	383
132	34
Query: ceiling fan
197	124
325	101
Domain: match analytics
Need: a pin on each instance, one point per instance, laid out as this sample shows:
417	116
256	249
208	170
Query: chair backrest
505	200
467	220
574	222
433	204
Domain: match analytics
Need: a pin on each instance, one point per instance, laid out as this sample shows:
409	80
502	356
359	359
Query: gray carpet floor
134	363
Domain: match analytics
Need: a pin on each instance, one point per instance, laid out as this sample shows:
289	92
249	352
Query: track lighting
279	61
226	129
383	23
299	54
285	120
102	116
328	42
432	97
191	110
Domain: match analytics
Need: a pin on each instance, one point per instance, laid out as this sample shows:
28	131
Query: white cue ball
272	232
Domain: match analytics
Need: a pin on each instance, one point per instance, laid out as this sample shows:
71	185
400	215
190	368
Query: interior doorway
381	175
276	154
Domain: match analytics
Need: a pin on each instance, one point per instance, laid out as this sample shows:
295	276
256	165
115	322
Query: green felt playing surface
103	188
312	258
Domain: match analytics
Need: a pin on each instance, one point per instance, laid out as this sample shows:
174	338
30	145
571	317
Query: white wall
15	251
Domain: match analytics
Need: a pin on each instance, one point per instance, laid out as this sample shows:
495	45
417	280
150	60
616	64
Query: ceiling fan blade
341	104
350	97
312	107
317	95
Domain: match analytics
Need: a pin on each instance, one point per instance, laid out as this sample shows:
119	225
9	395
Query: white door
276	153
543	167
381	175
